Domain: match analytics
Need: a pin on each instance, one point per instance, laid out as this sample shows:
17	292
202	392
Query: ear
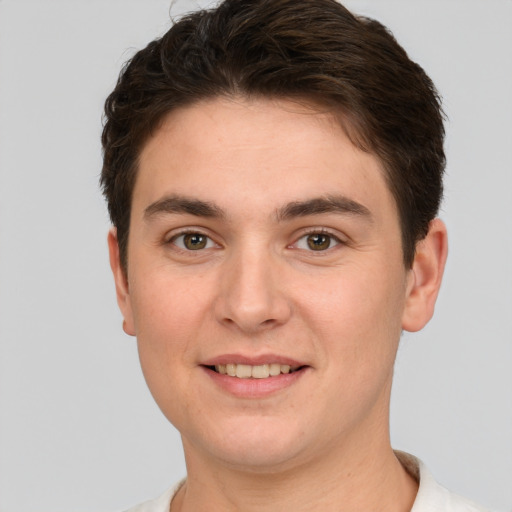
120	278
425	277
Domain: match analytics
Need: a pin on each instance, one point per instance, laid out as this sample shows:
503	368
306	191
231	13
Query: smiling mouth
246	371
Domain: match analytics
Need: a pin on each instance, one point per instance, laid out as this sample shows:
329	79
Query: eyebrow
180	204
177	204
325	204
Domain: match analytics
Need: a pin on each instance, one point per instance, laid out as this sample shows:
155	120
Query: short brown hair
312	50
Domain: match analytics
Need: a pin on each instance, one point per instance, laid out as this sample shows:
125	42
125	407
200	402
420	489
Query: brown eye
318	242
192	241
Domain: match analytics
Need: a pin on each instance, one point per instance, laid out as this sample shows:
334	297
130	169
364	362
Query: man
273	171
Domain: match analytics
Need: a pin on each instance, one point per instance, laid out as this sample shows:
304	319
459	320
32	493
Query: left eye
192	241
317	242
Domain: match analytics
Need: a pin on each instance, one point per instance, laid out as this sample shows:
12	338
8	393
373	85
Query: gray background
79	431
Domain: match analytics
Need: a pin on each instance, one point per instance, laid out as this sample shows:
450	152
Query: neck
369	478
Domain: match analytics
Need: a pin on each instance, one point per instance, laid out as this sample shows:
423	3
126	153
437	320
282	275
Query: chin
265	446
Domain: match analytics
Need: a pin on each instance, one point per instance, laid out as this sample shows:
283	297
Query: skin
258	290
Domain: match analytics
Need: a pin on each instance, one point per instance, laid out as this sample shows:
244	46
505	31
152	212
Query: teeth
275	369
243	371
260	372
246	371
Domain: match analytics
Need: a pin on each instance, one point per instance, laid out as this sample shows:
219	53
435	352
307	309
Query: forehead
255	153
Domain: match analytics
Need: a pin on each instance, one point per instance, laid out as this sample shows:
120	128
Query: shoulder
431	496
160	504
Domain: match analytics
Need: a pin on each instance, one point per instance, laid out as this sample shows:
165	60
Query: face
265	283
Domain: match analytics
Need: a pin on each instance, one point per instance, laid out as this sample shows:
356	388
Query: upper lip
252	360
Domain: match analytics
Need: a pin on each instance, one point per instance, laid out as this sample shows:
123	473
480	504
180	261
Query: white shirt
431	496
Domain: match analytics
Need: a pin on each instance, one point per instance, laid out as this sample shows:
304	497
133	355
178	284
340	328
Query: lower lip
255	388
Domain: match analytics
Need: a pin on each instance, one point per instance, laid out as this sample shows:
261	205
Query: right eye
192	241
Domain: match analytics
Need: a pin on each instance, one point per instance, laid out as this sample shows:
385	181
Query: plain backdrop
79	430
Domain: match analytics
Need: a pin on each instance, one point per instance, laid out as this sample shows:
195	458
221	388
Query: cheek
169	314
167	305
167	321
358	316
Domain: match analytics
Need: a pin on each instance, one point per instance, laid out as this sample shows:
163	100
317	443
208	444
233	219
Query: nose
252	297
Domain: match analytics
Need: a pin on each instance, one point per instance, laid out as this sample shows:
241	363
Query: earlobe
121	282
426	276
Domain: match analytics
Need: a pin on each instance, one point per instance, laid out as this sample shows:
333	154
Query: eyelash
210	243
321	232
184	233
